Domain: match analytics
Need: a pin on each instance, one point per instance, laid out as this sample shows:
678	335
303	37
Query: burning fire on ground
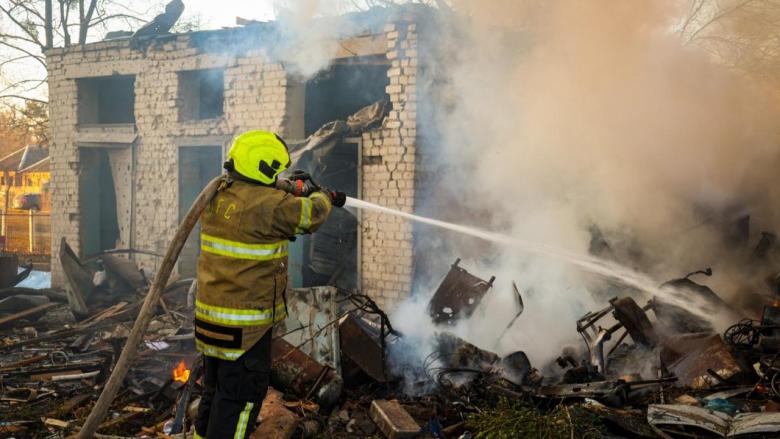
181	373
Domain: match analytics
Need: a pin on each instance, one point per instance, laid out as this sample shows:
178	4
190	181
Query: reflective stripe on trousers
242	250
217	352
238	316
243	420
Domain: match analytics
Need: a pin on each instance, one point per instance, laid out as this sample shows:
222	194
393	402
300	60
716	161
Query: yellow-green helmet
259	155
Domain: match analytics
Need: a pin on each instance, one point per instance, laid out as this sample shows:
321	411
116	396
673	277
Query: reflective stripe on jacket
242	268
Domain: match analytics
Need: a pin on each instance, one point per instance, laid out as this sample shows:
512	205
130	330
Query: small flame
181	373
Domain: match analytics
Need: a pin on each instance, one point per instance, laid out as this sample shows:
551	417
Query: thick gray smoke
558	118
570	115
309	33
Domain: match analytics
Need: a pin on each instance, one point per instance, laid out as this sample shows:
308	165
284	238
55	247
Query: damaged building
141	124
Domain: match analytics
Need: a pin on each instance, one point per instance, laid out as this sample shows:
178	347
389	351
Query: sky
205	14
208	14
217	14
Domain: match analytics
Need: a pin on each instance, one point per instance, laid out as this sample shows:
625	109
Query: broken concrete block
393	420
276	421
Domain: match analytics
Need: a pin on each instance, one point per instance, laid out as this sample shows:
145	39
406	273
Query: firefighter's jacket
242	268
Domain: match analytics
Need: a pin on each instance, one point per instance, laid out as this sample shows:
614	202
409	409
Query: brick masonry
386	260
259	94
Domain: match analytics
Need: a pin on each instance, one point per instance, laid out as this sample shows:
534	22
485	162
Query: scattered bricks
276	421
393	420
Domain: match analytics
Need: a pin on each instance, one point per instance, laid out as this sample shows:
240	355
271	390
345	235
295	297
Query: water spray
588	263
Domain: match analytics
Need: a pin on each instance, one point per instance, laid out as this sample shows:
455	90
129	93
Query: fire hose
147	311
300	183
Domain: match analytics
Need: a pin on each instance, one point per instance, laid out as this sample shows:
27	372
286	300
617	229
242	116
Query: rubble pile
58	348
650	370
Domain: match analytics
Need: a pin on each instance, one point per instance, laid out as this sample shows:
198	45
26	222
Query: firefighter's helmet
259	155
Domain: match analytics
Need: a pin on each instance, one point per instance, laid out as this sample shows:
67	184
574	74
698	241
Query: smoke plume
560	122
567	117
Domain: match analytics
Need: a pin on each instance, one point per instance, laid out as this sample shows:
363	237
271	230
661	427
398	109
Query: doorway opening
197	166
331	255
99	228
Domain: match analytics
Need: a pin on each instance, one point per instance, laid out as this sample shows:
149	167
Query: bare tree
444	5
30	27
742	33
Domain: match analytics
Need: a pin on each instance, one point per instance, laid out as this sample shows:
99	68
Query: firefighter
242	279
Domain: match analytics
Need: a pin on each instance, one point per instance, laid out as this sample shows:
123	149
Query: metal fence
25	232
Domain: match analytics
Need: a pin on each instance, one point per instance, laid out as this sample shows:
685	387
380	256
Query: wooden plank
73	402
119	420
102	315
362	46
51	422
26	313
10	367
48	376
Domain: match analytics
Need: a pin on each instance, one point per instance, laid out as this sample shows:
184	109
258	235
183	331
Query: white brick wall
386	240
256	93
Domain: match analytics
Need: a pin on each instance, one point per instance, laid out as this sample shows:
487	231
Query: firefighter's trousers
234	392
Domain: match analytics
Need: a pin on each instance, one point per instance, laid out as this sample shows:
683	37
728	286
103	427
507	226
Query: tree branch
24	98
48	22
64	22
24	81
115	16
38	58
21	26
86	20
696	6
717	17
12	60
151	10
18	37
29	10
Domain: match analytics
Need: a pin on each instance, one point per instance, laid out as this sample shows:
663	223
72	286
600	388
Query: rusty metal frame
596	336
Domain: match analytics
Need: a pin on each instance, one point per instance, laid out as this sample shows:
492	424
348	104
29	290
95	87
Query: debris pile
59	347
651	370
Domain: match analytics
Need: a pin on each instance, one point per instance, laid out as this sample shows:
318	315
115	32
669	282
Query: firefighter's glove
337	198
298	188
304	188
302	183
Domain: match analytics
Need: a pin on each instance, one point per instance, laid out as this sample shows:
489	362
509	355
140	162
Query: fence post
4	226
31	227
